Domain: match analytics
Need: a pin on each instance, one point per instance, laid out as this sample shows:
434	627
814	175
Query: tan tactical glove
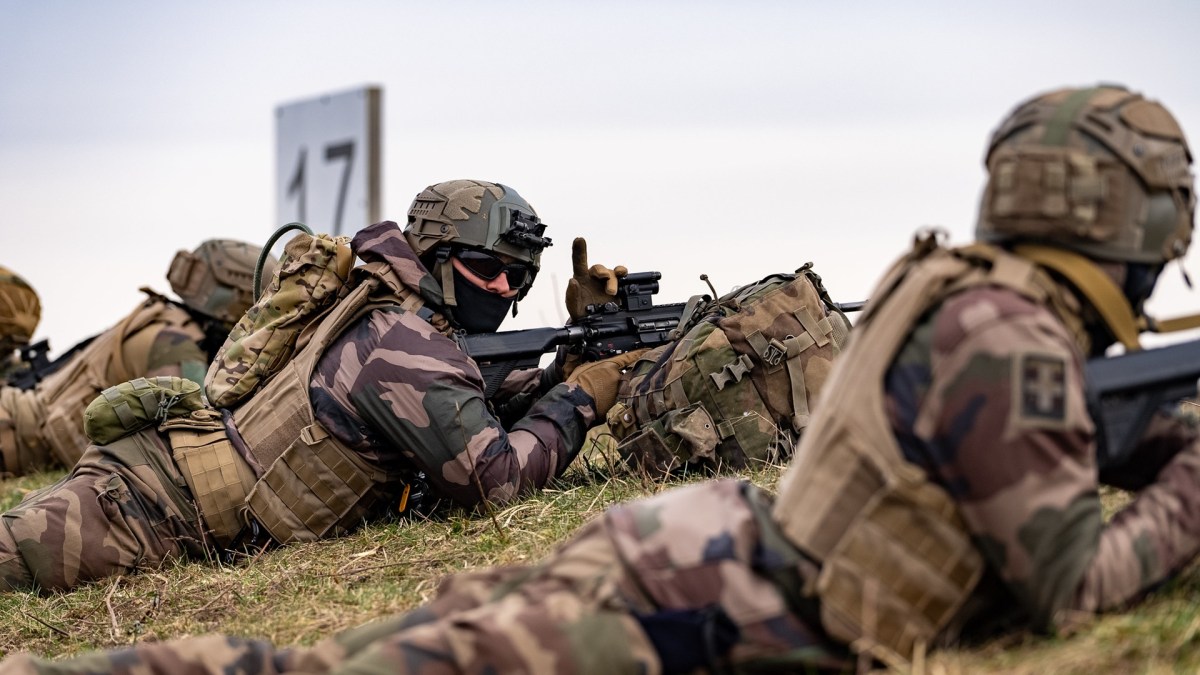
593	285
600	379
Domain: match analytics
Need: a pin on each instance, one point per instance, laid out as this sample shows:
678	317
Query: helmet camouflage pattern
476	214
1103	171
217	279
20	311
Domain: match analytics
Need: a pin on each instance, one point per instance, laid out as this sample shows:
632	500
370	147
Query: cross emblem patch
1043	386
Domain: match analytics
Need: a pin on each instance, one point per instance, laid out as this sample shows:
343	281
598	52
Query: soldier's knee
14	573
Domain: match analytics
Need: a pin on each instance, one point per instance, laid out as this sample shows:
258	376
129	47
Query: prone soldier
42	427
20	311
948	477
378	399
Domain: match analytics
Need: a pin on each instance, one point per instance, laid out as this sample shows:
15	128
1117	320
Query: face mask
1140	279
478	311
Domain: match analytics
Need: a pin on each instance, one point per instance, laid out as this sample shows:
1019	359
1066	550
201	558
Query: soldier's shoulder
976	311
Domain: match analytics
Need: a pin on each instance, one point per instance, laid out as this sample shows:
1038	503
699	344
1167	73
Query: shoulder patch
1042	388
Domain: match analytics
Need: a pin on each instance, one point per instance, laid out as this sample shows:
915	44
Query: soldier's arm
424	398
1006	412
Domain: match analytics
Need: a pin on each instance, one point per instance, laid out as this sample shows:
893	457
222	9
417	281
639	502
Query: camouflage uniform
166	342
702	576
392	388
980	396
43	426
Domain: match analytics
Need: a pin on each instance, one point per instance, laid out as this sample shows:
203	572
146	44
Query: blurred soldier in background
947	480
20	311
377	403
42	426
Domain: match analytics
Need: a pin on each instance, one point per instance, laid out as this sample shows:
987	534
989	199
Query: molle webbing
218	477
313	484
737	385
896	560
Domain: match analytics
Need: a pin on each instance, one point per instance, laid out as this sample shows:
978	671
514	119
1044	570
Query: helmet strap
1097	287
445	269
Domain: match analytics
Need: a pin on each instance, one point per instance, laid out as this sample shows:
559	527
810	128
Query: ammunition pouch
317	487
218	477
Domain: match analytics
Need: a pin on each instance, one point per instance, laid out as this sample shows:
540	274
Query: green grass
299	594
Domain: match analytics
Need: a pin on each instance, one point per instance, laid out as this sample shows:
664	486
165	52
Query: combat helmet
1102	171
20	311
217	279
477	215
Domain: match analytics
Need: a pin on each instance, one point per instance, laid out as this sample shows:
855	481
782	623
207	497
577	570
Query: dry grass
299	594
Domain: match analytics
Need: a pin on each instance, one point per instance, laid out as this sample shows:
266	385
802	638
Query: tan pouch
219	478
683	436
312	489
903	568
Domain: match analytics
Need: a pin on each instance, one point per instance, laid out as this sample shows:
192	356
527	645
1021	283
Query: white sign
327	157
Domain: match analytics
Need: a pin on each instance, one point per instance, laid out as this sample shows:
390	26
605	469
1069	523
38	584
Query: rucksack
738	383
309	278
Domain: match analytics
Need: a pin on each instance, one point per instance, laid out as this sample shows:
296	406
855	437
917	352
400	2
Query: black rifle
633	321
1124	392
38	364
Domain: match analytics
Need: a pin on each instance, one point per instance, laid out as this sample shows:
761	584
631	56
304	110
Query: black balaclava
1140	279
478	310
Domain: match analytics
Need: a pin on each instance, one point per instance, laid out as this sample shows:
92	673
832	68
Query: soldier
20	311
379	399
947	479
43	427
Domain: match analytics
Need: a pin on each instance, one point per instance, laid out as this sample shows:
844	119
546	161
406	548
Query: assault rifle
633	321
38	364
1124	392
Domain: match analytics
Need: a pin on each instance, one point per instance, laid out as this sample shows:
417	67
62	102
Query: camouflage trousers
123	507
565	616
633	592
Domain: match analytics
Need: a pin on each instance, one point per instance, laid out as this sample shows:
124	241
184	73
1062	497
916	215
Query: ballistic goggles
488	266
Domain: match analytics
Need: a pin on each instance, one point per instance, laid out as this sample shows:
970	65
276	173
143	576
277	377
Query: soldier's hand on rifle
593	285
600	379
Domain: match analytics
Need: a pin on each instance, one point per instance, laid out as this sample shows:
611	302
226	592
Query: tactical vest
738	384
303	483
47	422
896	561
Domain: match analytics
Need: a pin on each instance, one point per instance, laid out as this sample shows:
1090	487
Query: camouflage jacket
987	395
405	397
44	425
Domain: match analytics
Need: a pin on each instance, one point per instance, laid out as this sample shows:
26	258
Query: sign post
327	159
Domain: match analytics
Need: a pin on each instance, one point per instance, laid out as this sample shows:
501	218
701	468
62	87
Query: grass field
298	594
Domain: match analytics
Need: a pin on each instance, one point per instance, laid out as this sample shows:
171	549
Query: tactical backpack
308	280
738	383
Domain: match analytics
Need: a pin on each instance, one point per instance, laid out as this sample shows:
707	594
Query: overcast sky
734	139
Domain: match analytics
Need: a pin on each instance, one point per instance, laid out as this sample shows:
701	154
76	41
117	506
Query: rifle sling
1172	325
